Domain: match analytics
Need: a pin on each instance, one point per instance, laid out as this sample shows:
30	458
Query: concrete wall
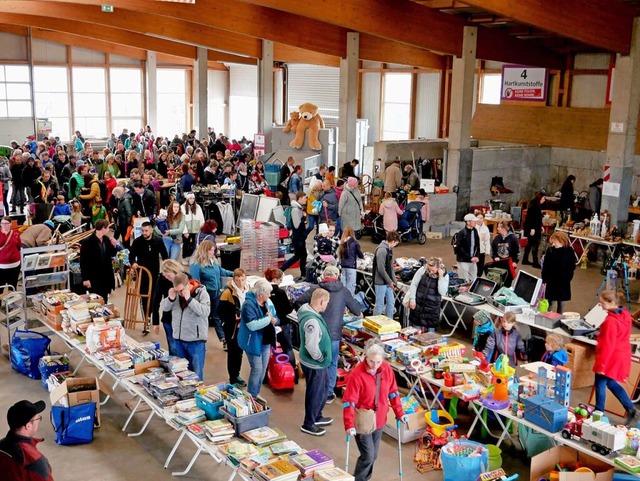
427	149
524	169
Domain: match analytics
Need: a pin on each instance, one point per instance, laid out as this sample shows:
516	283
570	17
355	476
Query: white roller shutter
316	84
243	101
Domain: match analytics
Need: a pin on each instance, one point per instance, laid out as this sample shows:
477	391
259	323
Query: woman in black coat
533	230
567	196
557	270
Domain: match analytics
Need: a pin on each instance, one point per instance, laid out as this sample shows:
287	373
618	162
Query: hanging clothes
228	220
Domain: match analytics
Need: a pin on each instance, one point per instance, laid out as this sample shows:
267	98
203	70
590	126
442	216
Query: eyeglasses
5	223
37	418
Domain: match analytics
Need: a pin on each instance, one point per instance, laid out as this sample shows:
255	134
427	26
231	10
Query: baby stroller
410	223
372	225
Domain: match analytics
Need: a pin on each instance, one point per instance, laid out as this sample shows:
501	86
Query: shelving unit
30	265
12	305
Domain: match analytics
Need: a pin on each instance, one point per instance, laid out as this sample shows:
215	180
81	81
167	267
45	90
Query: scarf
241	294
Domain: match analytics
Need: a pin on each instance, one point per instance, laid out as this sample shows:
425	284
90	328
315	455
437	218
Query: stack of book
278	470
310	462
250	463
218	430
332	474
120	364
264	436
381	327
285	447
240	403
189	413
237	450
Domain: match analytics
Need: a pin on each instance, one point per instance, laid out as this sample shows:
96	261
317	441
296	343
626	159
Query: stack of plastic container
267	247
248	236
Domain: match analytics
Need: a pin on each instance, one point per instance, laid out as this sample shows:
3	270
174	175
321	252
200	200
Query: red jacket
20	459
613	351
361	390
10	254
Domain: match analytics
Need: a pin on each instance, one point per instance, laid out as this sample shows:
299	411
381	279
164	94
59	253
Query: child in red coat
613	354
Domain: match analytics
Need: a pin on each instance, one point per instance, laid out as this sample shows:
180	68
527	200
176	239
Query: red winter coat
10	254
613	351
361	390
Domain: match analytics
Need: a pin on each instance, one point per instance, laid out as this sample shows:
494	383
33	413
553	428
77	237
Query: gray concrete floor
114	456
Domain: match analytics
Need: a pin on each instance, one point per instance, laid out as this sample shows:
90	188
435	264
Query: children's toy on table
440	431
594	428
498	397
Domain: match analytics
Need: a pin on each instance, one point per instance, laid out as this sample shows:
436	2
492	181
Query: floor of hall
115	456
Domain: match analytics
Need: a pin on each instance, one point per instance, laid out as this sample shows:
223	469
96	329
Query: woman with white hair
257	334
370	390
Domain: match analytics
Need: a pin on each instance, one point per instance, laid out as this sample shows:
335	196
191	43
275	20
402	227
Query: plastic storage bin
247	423
463	468
211	409
230	256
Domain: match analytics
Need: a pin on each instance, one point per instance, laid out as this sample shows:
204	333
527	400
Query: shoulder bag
365	422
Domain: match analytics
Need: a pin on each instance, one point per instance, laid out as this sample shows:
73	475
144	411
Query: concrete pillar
152	90
265	93
200	93
623	123
459	156
349	100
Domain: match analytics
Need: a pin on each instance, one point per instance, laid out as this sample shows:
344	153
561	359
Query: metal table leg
133	411
175	448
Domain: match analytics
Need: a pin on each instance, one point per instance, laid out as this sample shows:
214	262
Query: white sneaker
185	262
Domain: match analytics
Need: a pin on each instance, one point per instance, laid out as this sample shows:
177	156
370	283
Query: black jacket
145	204
282	304
557	272
464	253
533	220
95	262
504	247
339	298
146	253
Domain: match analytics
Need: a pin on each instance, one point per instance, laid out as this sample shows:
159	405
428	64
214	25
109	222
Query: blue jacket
210	276
354	252
253	319
295	184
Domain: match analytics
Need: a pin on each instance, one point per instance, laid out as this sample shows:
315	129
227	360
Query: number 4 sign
523	83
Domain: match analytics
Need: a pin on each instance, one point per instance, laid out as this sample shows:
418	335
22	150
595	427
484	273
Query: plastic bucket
462	466
495	457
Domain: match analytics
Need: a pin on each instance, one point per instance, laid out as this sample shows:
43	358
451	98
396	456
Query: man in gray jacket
339	299
384	276
189	304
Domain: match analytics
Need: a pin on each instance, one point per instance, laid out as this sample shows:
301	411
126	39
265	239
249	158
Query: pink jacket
390	212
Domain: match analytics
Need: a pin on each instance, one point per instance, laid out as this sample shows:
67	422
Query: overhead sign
523	83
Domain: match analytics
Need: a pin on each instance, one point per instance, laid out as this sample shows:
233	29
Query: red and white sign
523	83
607	173
259	147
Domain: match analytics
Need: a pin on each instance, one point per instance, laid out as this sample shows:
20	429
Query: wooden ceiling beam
416	25
68	38
289	54
89	30
179	30
376	49
215	56
603	24
260	23
15	29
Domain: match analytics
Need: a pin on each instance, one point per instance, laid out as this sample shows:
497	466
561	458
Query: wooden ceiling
420	33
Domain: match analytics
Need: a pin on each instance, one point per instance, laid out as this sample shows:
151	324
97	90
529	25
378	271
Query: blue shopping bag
27	348
73	425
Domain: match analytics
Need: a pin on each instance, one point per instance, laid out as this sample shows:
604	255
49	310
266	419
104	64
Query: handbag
27	348
73	425
365	422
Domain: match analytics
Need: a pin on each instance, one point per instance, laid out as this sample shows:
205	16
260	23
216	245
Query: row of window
88	112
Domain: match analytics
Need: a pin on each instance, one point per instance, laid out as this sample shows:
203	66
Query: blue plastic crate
211	409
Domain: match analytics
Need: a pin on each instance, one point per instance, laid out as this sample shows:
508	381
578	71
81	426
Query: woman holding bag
370	390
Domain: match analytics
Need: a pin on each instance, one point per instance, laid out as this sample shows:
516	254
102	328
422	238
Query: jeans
214	318
368	444
333	367
313	223
188	245
468	271
194	352
348	278
173	249
171	343
384	301
315	395
258	369
601	385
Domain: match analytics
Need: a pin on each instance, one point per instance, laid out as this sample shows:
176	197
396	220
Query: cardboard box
142	367
580	355
582	378
544	463
79	390
433	235
54	321
412	431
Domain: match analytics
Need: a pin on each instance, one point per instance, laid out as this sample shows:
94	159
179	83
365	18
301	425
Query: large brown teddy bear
292	124
310	120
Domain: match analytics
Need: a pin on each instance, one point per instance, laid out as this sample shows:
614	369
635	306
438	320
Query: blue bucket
463	468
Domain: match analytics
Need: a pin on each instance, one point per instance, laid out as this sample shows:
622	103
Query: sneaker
314	430
330	398
241	382
324	421
630	416
224	345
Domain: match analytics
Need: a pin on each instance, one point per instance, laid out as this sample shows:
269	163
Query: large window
90	101
490	90
396	106
126	99
172	102
51	87
15	91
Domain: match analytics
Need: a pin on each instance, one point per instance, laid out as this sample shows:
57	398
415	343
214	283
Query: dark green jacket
315	343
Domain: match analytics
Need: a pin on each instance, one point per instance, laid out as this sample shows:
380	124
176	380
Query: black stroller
410	224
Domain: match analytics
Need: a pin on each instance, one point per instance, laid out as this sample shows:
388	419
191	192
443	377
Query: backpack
103	190
455	242
287	215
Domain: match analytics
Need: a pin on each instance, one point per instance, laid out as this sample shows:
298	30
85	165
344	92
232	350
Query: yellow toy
438	421
292	124
310	120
